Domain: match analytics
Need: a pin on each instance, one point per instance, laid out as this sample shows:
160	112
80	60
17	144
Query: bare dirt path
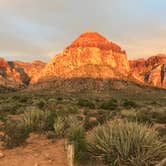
38	151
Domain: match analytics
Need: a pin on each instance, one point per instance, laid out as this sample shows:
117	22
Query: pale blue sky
39	29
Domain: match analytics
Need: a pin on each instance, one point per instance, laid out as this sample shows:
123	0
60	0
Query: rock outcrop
15	75
151	71
90	55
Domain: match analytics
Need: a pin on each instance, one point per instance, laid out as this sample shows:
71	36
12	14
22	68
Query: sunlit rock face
151	71
28	70
9	77
90	55
18	74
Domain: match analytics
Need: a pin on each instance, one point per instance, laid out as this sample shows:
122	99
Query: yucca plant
38	120
76	136
61	124
126	143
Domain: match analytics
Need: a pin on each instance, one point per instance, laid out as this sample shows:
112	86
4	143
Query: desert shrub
39	120
129	104
161	117
162	131
41	103
15	133
10	107
89	124
76	136
60	126
109	105
51	104
102	116
126	143
86	103
62	123
134	115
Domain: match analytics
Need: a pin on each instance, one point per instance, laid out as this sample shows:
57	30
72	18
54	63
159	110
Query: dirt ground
38	151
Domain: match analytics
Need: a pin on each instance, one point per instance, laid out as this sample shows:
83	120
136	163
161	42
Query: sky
39	29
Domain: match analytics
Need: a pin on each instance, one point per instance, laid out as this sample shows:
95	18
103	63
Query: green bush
162	131
86	103
76	136
126	143
39	120
109	105
41	103
11	107
61	124
15	133
129	104
89	124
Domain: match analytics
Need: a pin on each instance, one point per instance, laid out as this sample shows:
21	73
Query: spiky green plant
61	124
76	136
126	143
38	120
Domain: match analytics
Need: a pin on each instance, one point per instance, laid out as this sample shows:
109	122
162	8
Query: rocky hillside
18	74
90	55
9	77
151	71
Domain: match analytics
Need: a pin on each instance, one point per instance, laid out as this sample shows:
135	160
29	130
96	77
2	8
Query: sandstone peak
94	39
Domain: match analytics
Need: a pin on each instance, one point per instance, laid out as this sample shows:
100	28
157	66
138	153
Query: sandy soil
38	151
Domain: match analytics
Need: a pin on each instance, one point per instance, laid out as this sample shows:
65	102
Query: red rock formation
151	71
90	55
29	70
18	74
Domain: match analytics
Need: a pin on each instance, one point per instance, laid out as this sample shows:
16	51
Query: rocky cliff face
90	55
28	70
151	71
9	77
18	74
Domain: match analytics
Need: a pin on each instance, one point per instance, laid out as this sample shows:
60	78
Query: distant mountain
90	61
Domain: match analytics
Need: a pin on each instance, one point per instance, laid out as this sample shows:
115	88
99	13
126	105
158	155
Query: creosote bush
15	133
126	143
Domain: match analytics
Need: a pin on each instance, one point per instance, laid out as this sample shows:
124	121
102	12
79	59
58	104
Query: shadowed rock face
151	71
90	55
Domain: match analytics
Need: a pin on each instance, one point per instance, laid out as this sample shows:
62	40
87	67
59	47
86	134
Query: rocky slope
151	71
9	77
17	74
90	55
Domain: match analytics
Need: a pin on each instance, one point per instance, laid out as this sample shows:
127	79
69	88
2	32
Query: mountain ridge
89	56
